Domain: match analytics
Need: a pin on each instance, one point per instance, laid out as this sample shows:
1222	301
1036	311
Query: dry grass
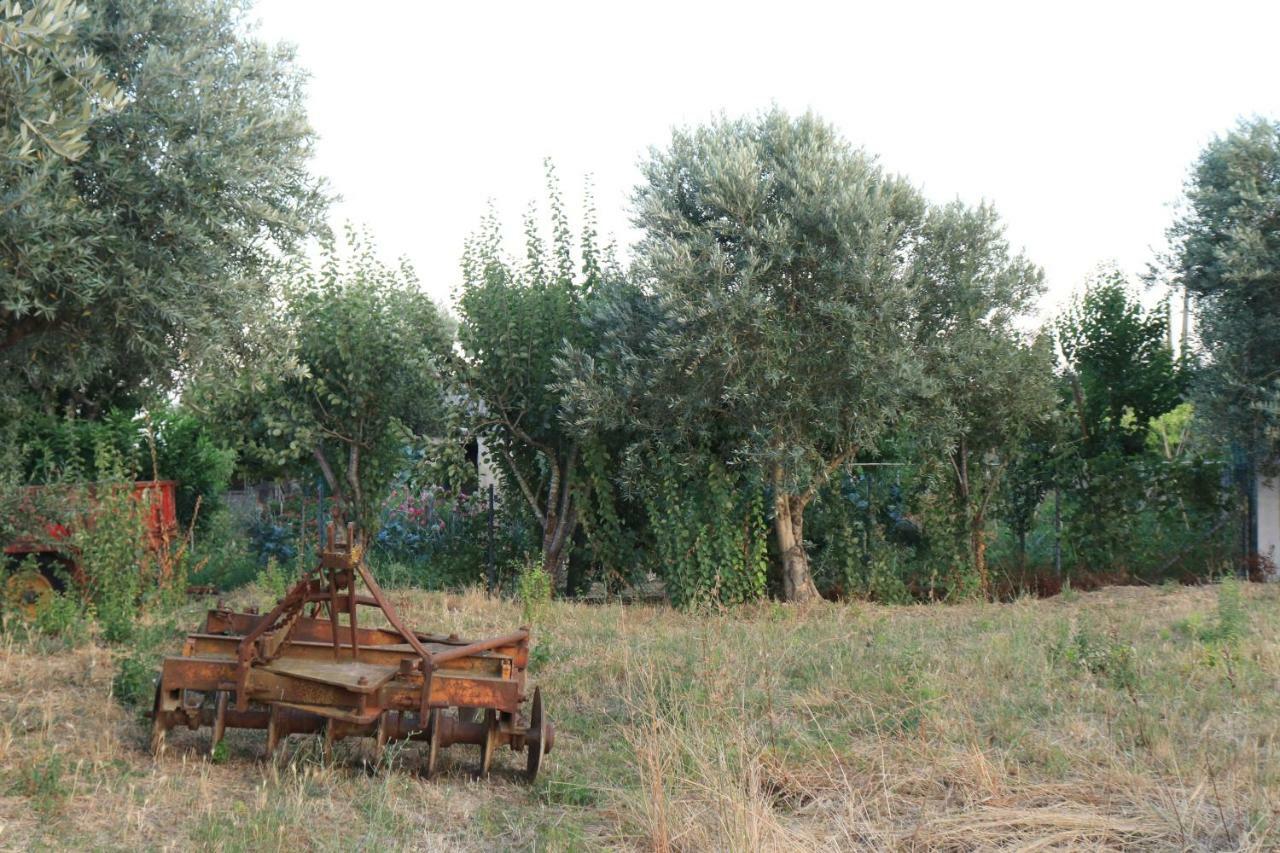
1097	721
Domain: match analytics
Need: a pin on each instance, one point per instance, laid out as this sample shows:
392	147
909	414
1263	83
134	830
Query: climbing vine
710	531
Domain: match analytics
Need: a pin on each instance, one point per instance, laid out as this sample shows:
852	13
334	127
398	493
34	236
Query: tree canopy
1119	362
516	318
356	372
183	173
1227	256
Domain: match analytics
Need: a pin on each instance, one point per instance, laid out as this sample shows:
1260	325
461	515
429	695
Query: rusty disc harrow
307	667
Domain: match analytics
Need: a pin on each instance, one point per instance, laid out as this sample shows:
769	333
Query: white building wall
485	469
1268	504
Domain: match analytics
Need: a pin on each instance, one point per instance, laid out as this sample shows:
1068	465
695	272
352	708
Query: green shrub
179	446
1096	654
1230	622
63	616
220	553
111	543
134	683
533	587
274	579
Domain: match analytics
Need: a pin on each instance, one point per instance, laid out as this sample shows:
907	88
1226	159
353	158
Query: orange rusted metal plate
348	674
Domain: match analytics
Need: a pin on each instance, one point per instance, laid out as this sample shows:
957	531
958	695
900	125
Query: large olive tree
143	246
782	260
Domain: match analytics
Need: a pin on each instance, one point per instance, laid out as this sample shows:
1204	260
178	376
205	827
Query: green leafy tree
181	173
995	384
1227	256
358	373
1119	365
1118	375
781	260
516	319
674	501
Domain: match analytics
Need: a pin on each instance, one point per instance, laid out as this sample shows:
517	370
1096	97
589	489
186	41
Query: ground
1133	718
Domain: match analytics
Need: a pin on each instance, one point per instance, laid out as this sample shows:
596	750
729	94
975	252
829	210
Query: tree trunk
978	541
556	537
335	487
788	524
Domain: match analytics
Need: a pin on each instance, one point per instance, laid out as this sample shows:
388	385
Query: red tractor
56	558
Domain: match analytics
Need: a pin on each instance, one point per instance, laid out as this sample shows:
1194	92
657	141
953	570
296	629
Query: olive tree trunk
788	525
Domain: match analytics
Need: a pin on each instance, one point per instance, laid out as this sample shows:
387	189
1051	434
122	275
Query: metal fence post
491	579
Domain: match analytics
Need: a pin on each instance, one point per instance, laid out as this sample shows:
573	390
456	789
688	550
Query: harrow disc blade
219	721
433	744
490	743
536	742
159	725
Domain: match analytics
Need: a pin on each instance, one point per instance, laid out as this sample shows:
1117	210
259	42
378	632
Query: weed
42	783
273	579
134	684
534	591
1097	654
1220	635
62	616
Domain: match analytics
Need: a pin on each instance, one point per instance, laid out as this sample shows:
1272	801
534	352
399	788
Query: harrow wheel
433	743
536	740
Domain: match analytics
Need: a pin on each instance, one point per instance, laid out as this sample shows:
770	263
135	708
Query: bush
710	534
135	680
221	555
110	542
181	448
534	590
62	616
434	539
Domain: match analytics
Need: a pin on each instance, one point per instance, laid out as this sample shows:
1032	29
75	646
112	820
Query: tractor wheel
25	591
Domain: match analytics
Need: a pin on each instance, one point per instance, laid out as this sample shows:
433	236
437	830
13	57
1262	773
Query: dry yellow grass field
1122	719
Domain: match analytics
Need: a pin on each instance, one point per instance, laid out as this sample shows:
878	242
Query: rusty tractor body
49	513
300	669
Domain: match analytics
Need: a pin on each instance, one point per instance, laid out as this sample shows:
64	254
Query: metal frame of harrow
293	672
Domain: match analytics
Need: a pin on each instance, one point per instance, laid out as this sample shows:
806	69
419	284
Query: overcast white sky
1078	120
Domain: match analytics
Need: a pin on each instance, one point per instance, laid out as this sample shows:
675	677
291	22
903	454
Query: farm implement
302	669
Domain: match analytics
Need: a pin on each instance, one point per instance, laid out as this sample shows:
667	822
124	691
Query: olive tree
183	175
995	382
1227	256
782	260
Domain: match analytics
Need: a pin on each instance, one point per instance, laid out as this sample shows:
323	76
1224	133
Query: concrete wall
1268	505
